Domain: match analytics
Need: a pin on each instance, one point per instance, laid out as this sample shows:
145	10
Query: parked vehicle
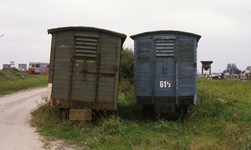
165	70
38	67
84	70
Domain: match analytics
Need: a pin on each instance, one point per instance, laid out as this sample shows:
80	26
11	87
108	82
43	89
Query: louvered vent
165	45
86	46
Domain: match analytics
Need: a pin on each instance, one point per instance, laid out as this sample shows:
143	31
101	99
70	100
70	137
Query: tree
232	69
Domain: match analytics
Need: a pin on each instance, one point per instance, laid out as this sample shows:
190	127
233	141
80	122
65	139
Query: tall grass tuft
45	116
127	88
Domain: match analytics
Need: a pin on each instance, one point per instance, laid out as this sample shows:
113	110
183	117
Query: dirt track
15	131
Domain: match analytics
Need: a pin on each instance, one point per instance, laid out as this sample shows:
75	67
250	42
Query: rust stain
105	106
81	104
57	103
60	103
62	46
77	104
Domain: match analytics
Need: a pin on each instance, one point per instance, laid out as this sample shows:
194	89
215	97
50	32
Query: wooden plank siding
52	57
186	66
61	64
143	68
85	66
174	61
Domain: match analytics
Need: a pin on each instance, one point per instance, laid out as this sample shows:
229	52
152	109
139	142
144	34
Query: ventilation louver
86	46
165	45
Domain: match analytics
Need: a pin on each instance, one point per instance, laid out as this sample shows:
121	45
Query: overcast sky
225	25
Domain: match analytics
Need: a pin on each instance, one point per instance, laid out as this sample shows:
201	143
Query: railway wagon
165	71
84	70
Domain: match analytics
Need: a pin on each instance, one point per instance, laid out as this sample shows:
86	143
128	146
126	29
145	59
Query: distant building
12	64
248	70
22	67
6	66
206	65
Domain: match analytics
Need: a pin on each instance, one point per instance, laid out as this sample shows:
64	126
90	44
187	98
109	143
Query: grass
221	120
12	80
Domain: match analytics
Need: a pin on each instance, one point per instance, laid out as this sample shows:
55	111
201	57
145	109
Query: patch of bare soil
15	130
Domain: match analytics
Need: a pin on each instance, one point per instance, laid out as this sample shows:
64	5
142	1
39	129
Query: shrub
127	88
127	64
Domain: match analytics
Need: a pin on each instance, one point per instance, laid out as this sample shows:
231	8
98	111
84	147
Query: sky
224	25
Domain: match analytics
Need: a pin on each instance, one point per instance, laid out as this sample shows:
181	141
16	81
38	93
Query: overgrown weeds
126	88
221	120
12	80
45	117
127	65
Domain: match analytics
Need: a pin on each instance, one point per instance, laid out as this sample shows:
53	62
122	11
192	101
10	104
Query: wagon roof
123	36
166	31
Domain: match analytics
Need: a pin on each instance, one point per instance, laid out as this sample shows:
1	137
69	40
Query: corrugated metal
165	68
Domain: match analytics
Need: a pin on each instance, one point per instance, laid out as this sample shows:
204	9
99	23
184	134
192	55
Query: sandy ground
15	131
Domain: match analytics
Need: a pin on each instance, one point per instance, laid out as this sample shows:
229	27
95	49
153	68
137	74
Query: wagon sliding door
164	72
94	71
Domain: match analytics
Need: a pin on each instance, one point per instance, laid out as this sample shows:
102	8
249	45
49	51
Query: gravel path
15	131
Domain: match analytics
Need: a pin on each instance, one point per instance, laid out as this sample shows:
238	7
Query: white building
248	70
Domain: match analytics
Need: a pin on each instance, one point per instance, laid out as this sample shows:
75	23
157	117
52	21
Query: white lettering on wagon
164	84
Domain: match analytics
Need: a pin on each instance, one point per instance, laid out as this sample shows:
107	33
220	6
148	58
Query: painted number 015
164	84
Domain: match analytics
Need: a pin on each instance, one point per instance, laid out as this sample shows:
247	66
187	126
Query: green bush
14	69
127	64
127	89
